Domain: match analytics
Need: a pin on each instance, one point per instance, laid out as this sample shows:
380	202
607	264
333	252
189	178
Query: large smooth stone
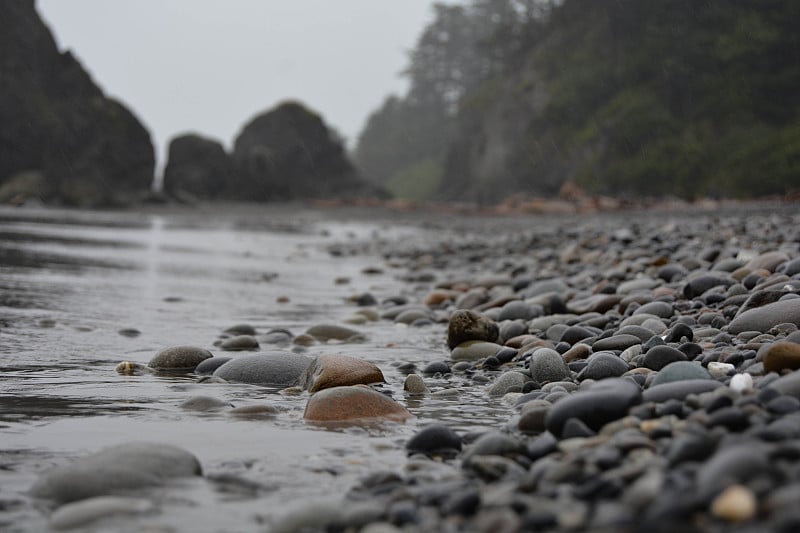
118	468
768	261
184	358
781	356
466	325
680	371
356	402
658	357
659	309
765	317
272	368
603	365
547	364
338	371
326	332
474	350
616	342
603	402
678	390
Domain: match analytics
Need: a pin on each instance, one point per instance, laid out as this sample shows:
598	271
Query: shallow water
70	281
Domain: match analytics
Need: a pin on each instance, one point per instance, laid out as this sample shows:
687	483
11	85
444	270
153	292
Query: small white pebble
741	382
718	370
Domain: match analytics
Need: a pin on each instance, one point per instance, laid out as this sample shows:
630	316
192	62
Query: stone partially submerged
119	468
352	404
282	369
339	370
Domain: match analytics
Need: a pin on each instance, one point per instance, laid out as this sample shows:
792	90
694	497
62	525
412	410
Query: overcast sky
209	66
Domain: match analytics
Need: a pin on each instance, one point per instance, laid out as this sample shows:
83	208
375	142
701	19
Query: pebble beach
642	372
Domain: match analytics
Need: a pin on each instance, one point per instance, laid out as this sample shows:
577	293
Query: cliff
61	140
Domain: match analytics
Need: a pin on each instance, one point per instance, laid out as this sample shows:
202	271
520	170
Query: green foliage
418	181
668	97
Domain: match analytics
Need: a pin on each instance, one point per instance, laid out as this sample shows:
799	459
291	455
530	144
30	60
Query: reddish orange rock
357	402
340	370
437	297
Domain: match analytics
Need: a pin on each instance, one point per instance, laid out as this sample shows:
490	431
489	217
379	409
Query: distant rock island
286	153
62	140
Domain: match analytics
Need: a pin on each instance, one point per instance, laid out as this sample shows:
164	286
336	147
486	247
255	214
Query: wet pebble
339	370
270	368
435	440
179	358
352	403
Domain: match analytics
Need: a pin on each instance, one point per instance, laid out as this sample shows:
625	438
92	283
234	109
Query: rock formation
62	140
289	153
197	168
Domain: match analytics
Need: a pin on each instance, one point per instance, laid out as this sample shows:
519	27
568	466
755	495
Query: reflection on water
71	281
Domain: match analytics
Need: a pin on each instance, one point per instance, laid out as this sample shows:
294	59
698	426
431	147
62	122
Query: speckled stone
184	358
466	325
339	370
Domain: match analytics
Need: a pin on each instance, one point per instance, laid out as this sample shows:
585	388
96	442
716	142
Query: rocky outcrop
290	153
197	168
62	140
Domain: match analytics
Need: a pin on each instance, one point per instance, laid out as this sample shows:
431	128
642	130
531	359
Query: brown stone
437	297
579	351
356	402
340	370
467	325
782	355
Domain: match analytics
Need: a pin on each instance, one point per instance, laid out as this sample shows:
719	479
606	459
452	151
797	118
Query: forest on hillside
688	98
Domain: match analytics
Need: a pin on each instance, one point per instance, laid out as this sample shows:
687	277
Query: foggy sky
209	66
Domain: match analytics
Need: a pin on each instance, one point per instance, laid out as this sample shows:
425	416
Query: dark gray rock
208	366
435	440
679	390
282	369
603	402
616	342
680	371
603	365
659	309
658	357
